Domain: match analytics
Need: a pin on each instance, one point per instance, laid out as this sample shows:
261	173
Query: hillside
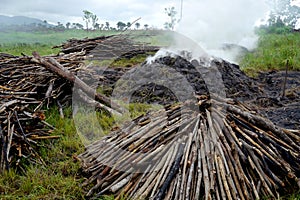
18	20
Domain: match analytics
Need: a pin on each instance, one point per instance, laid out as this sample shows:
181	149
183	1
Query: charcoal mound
219	76
238	85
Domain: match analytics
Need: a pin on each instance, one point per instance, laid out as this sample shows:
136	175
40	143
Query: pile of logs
25	87
28	86
217	150
107	47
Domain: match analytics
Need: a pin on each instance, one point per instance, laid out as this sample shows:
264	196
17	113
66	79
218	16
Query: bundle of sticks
219	149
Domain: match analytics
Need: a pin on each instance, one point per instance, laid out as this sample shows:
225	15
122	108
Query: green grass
19	49
59	179
26	42
17	43
272	53
121	62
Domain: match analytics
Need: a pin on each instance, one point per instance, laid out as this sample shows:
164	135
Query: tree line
91	22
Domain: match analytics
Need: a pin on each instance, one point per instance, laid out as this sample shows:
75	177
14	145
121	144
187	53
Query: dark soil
283	111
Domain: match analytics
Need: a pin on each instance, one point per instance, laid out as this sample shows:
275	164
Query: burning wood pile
215	149
210	148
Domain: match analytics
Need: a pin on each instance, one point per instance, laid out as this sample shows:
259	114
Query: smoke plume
218	24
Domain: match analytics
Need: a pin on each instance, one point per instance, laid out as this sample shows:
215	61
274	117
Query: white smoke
213	23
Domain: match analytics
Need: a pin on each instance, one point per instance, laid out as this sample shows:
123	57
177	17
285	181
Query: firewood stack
25	88
29	85
213	148
217	150
108	47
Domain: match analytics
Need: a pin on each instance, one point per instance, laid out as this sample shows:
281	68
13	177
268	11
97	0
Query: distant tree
59	24
171	12
94	20
87	17
146	26
101	26
68	25
128	24
283	13
79	26
107	25
97	26
137	25
121	25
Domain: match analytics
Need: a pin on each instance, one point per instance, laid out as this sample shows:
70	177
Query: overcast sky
151	12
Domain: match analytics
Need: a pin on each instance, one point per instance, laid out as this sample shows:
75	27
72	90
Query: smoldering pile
195	147
205	146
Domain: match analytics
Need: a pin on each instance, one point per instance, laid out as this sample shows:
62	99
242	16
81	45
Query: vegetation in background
278	43
26	42
283	13
272	53
171	12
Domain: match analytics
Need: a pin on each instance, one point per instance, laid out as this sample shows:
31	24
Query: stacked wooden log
25	88
29	85
217	150
108	47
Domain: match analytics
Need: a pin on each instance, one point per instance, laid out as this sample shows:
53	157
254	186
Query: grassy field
26	42
59	178
17	43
